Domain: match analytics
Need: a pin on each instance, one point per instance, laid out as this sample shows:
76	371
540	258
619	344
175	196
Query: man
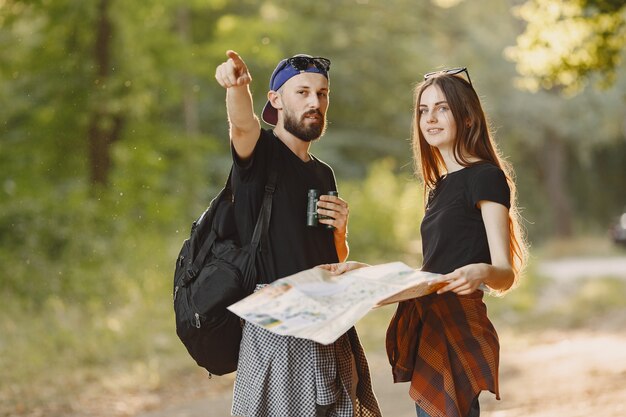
280	375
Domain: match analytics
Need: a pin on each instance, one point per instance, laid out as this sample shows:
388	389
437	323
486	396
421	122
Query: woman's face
436	121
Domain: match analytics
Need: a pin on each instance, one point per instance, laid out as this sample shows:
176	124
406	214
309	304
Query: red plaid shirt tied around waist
447	347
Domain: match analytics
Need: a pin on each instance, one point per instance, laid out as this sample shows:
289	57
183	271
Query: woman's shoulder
483	171
488	182
484	166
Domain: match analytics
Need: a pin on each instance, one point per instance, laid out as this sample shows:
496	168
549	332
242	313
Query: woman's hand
342	267
464	280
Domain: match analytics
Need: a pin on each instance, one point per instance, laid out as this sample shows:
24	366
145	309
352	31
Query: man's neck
299	147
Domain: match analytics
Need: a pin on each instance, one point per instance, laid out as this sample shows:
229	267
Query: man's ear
275	99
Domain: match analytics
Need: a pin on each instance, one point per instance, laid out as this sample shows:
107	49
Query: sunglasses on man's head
451	71
301	63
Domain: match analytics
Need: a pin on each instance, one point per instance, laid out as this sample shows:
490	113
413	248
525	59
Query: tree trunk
105	127
554	154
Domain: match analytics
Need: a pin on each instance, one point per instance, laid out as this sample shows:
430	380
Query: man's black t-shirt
295	246
453	232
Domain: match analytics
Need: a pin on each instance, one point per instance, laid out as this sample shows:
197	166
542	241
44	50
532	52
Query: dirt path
562	374
553	374
572	268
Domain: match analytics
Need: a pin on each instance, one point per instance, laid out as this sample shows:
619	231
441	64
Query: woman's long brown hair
473	140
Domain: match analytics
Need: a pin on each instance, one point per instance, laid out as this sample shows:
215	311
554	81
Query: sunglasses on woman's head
301	63
451	71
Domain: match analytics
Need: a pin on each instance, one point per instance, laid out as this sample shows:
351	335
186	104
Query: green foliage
604	6
566	42
57	249
70	242
385	215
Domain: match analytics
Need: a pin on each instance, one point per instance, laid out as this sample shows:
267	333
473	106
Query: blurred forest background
113	139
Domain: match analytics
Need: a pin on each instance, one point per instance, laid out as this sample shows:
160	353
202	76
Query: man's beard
302	131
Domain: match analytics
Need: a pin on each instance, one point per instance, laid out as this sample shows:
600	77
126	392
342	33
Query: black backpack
214	271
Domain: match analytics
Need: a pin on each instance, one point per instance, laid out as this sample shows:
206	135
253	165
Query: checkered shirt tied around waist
288	377
447	347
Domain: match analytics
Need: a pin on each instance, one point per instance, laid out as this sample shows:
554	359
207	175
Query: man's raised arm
245	127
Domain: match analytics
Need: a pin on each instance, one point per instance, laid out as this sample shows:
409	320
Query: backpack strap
207	216
191	272
263	221
260	237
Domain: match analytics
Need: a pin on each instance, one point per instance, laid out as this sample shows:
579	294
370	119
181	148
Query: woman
444	343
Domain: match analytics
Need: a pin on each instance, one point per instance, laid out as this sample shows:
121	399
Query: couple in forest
443	343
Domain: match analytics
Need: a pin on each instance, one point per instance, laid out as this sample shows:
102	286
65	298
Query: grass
50	353
542	302
595	303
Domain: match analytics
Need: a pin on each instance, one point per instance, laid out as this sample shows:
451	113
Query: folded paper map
316	305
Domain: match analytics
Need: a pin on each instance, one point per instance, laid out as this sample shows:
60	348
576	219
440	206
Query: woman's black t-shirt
295	246
453	232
